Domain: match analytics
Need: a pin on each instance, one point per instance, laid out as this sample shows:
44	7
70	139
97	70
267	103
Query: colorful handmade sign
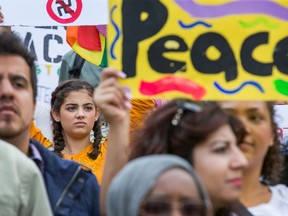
205	50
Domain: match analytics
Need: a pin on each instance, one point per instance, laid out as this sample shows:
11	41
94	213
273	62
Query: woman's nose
80	113
239	160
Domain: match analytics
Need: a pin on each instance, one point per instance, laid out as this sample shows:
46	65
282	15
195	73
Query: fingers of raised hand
1	16
112	72
110	92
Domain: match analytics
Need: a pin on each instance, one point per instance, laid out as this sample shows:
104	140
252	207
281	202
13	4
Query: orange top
97	165
36	134
141	108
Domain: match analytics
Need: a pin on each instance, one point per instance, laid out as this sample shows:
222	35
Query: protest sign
54	12
48	45
205	50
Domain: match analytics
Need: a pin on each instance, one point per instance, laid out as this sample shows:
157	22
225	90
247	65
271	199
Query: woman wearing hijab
171	186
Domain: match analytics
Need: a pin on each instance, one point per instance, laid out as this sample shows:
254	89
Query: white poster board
54	12
48	44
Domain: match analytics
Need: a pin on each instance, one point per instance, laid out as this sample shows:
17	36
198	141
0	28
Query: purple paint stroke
233	8
102	29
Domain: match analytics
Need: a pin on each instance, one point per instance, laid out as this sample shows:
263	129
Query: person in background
202	134
284	147
23	192
71	190
43	120
261	193
157	185
37	134
73	66
74	116
140	110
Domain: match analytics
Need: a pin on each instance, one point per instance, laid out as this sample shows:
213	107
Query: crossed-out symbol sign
64	11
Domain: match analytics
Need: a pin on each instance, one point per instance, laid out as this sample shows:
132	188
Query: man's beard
8	131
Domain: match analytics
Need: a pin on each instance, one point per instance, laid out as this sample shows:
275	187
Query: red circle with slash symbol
66	9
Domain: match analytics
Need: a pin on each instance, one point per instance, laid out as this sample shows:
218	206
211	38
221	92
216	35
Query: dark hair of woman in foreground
182	126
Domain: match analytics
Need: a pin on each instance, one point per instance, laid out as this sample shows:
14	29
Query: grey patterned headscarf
137	178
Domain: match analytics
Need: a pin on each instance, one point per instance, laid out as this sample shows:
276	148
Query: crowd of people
160	158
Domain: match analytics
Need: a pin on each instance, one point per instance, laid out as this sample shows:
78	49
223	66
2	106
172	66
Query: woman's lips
236	182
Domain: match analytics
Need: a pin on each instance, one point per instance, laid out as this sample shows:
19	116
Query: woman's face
257	121
175	193
219	163
77	114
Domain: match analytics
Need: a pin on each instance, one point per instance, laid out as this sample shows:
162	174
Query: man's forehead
14	63
14	66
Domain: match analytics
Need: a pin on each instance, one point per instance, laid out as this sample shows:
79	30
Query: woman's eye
70	109
256	118
220	150
88	108
221	147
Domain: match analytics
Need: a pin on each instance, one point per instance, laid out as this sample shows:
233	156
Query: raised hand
111	97
1	16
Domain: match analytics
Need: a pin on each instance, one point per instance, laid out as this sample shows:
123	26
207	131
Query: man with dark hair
71	189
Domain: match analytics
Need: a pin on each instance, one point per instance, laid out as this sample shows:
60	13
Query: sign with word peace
211	50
